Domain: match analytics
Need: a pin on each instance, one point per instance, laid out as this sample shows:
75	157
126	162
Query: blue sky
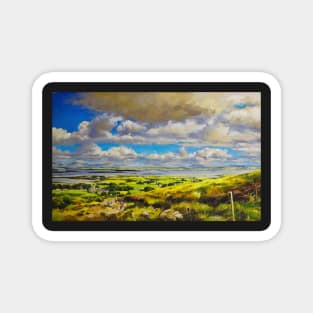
66	115
108	130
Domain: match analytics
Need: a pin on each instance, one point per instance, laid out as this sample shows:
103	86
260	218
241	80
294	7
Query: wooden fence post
232	205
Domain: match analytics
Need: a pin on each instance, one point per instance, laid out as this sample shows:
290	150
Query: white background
272	36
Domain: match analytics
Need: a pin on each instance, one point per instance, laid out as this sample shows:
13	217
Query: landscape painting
156	156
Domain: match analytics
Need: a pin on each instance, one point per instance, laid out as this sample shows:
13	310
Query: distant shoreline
88	175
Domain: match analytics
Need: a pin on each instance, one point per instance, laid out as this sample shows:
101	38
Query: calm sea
68	175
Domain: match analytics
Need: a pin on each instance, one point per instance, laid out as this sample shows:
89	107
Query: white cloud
249	149
61	136
92	150
89	150
102	124
203	156
183	154
217	134
192	131
120	153
169	156
154	107
225	135
246	117
60	154
130	127
198	119
207	156
176	129
83	128
212	153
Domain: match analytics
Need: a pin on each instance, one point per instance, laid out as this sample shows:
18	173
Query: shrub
148	188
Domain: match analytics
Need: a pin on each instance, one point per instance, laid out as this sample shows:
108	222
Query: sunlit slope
150	198
210	189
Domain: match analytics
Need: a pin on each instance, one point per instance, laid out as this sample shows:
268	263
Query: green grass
151	198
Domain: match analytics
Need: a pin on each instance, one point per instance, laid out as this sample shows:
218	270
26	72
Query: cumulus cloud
62	137
115	155
198	119
246	117
183	153
176	129
226	135
169	156
61	154
154	107
249	149
207	156
100	125
191	131
202	156
99	130
92	150
168	117
212	153
89	150
130	127
217	134
121	152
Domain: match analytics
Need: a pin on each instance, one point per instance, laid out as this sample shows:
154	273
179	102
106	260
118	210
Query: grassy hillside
153	198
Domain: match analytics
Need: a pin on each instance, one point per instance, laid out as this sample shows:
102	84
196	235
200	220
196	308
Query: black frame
158	87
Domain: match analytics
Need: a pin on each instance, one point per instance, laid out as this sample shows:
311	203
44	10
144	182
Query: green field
158	198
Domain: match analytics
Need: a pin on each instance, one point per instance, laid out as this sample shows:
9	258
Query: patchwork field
158	198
